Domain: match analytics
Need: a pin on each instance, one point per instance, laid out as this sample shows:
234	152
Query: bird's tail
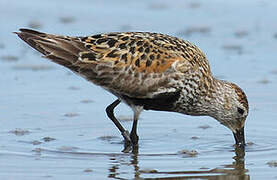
62	50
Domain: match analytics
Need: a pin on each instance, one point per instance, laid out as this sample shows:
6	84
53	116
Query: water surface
53	123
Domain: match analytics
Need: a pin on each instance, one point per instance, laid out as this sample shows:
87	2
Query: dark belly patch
160	102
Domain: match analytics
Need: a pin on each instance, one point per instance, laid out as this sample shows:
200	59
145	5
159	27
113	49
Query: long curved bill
239	137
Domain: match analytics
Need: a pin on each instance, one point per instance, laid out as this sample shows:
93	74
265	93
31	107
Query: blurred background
53	123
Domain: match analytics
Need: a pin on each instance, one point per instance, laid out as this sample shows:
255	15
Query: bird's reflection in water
124	166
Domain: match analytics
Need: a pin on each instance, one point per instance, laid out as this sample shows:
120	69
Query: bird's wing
135	64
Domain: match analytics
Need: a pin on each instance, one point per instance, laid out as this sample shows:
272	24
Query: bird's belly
161	102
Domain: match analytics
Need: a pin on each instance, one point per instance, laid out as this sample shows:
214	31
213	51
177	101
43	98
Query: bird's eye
241	111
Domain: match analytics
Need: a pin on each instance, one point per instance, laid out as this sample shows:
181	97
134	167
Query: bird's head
233	110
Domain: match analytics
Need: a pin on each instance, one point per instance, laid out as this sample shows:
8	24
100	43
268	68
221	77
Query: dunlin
147	71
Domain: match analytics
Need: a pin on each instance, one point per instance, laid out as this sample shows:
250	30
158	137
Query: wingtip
20	30
19	34
30	31
25	29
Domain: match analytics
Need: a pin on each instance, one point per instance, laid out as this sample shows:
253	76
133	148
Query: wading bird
147	71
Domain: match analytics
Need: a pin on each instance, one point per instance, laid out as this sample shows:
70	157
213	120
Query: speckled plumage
147	71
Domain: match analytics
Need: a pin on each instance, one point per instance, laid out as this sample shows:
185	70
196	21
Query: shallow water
53	123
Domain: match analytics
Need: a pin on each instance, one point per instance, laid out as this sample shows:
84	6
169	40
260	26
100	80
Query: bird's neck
207	102
215	101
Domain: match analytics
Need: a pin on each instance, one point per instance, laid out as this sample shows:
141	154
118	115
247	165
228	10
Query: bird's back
138	65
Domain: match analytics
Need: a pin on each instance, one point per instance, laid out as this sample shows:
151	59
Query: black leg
134	137
110	113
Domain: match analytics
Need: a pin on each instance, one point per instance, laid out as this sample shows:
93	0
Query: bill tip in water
239	137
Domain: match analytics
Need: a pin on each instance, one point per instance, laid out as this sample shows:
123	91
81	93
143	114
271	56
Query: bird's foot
130	142
127	139
134	138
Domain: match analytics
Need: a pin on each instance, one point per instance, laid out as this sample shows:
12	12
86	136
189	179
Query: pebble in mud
241	33
264	81
74	88
48	139
88	170
34	24
190	153
37	150
87	101
71	114
68	148
67	20
204	127
194	138
36	142
233	47
9	58
20	132
107	138
194	30
272	163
